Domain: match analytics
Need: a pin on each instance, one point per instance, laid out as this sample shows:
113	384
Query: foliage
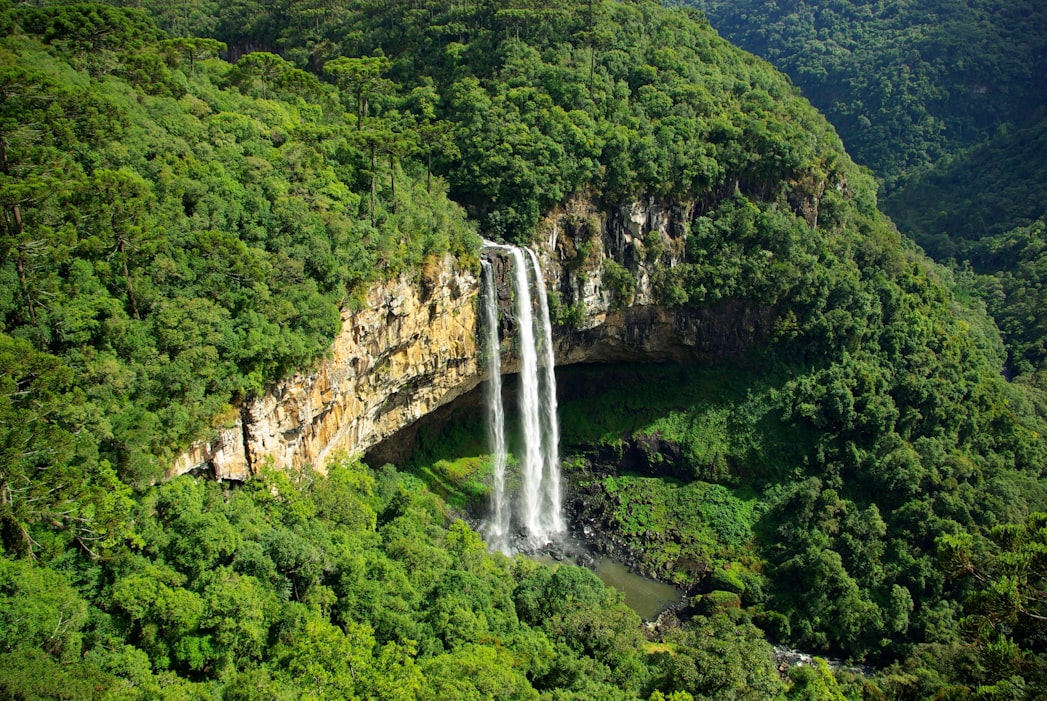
941	100
315	586
1004	609
830	546
702	661
906	85
989	217
520	107
678	532
180	231
620	281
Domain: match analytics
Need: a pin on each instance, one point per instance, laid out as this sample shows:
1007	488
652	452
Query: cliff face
409	350
413	347
605	268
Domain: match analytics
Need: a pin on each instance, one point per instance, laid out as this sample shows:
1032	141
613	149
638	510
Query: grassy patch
659	648
462	483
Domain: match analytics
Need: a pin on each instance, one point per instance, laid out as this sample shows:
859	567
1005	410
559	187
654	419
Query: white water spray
552	517
539	517
498	527
530	413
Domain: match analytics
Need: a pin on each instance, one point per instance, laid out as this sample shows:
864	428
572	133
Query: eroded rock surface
409	350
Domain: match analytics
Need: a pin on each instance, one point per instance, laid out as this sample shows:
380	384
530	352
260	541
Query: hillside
181	232
943	101
988	213
907	85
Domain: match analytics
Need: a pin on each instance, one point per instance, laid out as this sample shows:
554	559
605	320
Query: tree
373	141
332	662
436	138
475	673
190	49
402	142
813	682
92	33
717	658
1010	576
1006	609
26	101
39	609
360	77
116	219
264	67
50	477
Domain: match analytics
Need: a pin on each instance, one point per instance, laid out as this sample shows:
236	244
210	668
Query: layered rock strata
410	349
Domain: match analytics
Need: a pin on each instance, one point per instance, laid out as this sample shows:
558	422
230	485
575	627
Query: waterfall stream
538	518
551	514
498	527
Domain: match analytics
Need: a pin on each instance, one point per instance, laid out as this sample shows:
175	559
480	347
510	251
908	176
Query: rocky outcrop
412	347
606	269
224	457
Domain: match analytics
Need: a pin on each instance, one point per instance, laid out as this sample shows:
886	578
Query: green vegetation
906	84
180	231
521	106
351	585
988	214
677	530
831	540
944	102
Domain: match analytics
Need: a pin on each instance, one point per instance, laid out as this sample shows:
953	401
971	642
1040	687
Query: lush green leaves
179	232
179	254
259	589
906	85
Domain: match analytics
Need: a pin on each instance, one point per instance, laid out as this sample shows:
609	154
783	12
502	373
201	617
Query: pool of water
645	596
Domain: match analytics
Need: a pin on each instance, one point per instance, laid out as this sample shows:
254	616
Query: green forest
908	85
193	193
943	100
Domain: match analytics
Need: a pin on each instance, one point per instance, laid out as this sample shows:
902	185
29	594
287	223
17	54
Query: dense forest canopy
907	84
944	100
186	218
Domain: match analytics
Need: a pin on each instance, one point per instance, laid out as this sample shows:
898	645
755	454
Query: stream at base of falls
647	597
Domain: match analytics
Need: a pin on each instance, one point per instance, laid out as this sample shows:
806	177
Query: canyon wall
412	347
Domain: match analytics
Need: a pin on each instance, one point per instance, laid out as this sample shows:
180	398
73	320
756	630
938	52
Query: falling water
552	519
540	515
530	410
498	528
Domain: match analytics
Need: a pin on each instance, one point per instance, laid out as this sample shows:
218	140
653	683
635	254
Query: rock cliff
412	348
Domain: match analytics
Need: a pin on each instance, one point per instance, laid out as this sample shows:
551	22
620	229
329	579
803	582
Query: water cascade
551	513
538	518
498	528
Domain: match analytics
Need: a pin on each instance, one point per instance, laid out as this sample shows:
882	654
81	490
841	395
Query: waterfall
498	527
539	516
530	410
551	512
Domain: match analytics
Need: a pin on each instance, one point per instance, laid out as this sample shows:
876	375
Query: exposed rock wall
409	350
413	347
579	246
579	240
